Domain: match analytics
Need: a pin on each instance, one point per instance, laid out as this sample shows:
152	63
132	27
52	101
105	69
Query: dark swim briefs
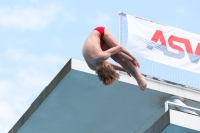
101	31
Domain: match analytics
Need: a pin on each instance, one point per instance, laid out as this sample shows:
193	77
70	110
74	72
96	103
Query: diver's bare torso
92	49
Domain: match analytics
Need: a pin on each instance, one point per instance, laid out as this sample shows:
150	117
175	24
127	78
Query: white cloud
27	78
24	56
36	70
30	69
4	87
32	76
28	18
6	113
101	19
12	103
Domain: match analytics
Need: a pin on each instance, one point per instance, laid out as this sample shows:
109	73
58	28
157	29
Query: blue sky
39	37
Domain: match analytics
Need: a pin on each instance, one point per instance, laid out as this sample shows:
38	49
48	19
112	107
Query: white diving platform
75	101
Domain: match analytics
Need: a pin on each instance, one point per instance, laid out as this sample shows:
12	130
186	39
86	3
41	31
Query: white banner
164	44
